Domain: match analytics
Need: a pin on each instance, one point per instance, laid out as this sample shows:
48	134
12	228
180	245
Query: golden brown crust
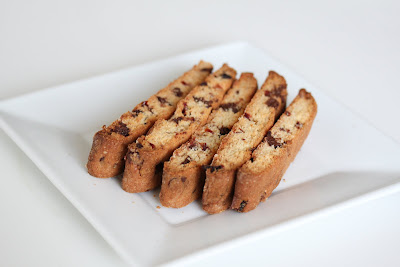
166	135
181	187
261	175
218	192
183	175
106	158
235	149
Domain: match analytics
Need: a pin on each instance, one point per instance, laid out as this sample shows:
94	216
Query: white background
349	49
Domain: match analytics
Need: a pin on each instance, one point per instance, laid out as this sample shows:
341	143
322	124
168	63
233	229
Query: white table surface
349	49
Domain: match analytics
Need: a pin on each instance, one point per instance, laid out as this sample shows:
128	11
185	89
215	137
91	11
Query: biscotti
183	175
145	157
236	148
106	158
259	176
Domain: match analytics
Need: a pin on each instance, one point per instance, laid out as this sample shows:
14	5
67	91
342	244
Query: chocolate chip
187	160
272	141
251	159
185	108
159	167
203	84
184	83
136	112
272	102
212	168
232	106
298	125
206	69
152	145
247	116
284	130
162	100
263	196
121	129
102	158
183	179
224	130
278	91
287	113
138	145
226	76
237	92
177	92
242	206
177	120
208	103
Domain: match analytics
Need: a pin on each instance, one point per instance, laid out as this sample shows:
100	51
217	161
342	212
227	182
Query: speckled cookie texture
106	158
260	175
145	157
236	148
183	174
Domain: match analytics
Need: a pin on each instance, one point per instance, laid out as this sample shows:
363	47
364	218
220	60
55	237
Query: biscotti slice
106	158
165	136
236	148
183	175
259	176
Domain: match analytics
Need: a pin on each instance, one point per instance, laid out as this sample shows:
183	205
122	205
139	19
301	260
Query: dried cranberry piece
209	130
298	125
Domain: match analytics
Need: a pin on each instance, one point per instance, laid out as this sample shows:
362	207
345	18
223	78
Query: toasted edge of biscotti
236	148
165	136
259	176
106	158
183	175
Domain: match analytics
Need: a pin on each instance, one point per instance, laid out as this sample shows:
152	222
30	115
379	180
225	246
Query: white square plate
344	160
